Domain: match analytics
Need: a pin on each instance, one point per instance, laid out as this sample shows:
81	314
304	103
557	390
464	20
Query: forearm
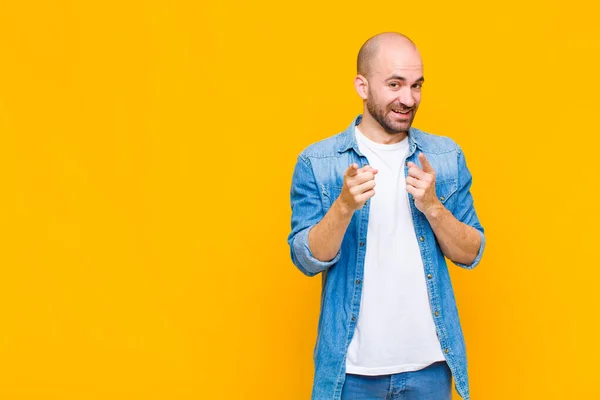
325	238
459	242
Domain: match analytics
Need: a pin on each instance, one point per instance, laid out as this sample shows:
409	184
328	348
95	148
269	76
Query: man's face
394	89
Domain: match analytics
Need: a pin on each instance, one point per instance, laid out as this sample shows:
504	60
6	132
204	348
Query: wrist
342	208
435	211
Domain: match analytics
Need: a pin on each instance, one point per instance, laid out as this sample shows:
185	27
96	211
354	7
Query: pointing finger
352	170
425	163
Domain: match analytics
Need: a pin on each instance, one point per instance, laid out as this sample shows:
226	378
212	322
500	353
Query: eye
417	85
394	85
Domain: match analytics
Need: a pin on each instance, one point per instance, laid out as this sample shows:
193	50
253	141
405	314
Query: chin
399	127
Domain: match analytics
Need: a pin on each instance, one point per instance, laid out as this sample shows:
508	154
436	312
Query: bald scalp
370	49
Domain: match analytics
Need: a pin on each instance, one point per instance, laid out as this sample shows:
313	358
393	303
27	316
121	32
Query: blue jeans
433	382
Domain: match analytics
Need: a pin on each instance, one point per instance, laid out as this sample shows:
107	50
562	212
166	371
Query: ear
362	86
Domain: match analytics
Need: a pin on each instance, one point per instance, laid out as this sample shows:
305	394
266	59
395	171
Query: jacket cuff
479	254
305	257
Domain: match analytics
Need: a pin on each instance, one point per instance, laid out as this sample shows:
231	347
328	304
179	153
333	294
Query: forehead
401	61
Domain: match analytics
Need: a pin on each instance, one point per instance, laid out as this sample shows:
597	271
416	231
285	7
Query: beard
385	116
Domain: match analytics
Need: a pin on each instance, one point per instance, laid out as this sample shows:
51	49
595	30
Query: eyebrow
401	78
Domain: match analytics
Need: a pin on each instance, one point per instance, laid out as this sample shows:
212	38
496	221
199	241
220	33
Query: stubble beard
381	115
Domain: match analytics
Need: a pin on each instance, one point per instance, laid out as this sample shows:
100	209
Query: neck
373	131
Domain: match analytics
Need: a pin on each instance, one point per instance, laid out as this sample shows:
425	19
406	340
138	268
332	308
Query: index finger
425	163
352	170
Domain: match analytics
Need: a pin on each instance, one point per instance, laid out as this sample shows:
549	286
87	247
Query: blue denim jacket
317	181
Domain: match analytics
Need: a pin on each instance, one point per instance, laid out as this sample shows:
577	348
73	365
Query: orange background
146	152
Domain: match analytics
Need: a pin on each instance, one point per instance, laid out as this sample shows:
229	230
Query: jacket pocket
328	195
445	191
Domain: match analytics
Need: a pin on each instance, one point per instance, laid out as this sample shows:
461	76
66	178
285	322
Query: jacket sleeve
465	210
307	211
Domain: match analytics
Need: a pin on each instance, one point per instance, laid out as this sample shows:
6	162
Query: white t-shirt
395	330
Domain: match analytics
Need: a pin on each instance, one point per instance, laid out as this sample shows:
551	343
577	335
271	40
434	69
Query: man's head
389	79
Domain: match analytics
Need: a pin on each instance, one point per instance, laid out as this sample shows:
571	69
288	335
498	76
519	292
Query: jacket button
447	351
437	314
362	244
442	198
421	238
358	281
353	319
429	276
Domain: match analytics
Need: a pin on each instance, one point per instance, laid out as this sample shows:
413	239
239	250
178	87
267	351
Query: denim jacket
317	181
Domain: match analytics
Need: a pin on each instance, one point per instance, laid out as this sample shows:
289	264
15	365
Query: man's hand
458	241
325	238
421	184
359	184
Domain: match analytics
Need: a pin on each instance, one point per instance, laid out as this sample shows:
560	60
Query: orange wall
146	151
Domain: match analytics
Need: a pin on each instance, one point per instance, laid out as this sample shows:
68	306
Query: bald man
376	209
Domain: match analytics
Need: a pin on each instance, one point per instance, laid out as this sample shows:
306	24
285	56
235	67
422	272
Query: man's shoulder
327	147
434	143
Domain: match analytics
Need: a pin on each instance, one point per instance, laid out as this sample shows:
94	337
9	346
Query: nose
406	97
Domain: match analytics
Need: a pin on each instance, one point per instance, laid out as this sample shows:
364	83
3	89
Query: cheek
383	98
389	100
381	103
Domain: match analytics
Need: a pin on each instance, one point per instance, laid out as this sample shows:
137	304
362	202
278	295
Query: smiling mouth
402	112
